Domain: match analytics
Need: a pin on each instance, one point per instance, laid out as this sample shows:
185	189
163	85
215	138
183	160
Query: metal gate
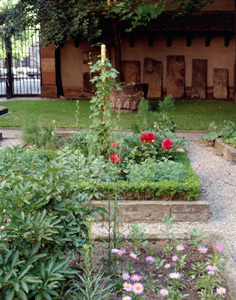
20	65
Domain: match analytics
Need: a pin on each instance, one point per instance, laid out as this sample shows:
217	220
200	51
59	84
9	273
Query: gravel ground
218	178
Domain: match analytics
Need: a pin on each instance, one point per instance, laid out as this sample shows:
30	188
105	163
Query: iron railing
20	65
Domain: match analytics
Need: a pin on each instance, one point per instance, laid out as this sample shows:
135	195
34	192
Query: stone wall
149	64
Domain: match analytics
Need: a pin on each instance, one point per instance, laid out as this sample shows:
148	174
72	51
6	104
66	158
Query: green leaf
10	294
22	295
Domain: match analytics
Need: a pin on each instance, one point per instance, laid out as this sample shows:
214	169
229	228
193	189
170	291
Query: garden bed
226	150
155	276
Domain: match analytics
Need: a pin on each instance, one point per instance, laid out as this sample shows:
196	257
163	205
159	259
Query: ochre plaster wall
217	55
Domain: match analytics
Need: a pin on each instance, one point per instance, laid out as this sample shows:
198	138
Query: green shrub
44	219
39	134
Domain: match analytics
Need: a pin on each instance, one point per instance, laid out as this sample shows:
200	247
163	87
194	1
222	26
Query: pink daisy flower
127	286
133	255
137	288
174	258
174	275
126	298
149	258
221	291
218	247
164	292
136	277
115	250
125	276
121	252
167	266
202	250
180	248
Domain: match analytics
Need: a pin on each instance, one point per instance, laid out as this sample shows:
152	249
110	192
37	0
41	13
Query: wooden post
103	59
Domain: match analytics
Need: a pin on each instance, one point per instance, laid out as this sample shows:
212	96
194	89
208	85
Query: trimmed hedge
167	190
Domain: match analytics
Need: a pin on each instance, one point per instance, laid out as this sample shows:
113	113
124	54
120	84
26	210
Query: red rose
167	144
115	158
148	137
115	145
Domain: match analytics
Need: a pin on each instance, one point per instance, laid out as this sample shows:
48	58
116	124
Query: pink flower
127	286
126	298
104	166
115	158
149	258
212	272
133	255
202	250
174	275
167	266
174	258
125	276
218	247
138	288
211	268
148	137
164	292
221	291
167	144
115	250
121	252
115	145
136	277
180	248
2	228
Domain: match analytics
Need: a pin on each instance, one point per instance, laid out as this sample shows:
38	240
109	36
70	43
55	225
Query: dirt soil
140	266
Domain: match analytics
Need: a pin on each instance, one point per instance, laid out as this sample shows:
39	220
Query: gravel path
218	178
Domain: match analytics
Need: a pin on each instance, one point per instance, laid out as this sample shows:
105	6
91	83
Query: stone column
49	87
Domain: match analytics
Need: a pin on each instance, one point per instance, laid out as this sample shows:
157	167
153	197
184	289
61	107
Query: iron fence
20	65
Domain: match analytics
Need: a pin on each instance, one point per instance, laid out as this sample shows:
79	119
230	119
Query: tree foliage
71	19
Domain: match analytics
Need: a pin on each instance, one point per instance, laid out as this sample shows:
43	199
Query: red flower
115	145
115	158
148	137
167	144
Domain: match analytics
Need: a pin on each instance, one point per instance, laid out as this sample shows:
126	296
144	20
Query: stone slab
128	98
153	211
3	110
175	76
153	70
130	71
199	78
228	151
220	83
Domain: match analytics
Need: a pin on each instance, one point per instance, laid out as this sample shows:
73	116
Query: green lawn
189	115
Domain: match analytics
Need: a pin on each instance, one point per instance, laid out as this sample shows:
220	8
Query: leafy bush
36	133
43	219
228	133
156	171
